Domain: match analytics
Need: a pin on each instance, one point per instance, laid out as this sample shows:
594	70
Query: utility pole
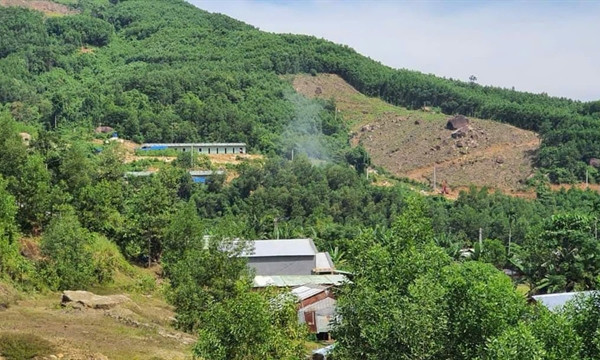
434	180
509	234
586	178
292	154
480	239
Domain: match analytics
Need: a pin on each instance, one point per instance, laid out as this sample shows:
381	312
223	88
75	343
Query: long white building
200	148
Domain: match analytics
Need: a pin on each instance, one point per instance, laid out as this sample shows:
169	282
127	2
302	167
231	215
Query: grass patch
24	346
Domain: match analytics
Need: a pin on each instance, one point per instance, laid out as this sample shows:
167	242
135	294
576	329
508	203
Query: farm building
288	257
457	122
318	316
316	308
200	176
200	148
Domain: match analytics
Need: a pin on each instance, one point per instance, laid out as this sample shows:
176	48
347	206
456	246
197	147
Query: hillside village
177	184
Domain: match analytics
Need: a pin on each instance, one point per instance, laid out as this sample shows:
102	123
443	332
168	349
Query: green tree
66	244
516	343
562	256
250	326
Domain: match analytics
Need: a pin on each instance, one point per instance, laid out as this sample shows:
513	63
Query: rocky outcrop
90	300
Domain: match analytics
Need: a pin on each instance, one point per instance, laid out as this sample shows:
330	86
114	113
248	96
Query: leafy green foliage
565	254
516	343
70	263
251	326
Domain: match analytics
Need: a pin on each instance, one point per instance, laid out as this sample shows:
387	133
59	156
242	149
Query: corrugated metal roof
206	172
323	261
324	351
556	301
327	304
306	291
283	247
194	144
298	280
139	173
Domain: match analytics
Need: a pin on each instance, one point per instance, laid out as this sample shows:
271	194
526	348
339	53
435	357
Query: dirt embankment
412	143
49	8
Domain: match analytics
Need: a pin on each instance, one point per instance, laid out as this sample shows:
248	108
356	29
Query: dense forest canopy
165	71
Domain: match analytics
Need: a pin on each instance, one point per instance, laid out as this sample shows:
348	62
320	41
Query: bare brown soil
410	143
139	330
47	7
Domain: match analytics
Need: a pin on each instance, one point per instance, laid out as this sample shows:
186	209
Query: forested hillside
166	71
427	278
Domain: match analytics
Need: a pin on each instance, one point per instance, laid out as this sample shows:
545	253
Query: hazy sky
537	46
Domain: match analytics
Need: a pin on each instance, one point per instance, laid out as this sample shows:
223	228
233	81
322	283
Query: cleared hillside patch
49	8
410	143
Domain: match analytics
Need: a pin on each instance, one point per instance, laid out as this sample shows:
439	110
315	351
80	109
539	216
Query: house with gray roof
288	257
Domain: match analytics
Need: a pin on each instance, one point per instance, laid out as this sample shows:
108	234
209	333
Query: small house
287	257
316	308
200	148
457	122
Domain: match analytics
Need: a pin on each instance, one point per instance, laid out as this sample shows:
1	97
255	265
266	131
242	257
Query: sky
535	46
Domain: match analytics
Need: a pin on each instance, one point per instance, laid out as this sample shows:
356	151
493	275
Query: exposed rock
368	128
104	130
91	300
459	144
499	160
417	122
318	90
457	122
459	133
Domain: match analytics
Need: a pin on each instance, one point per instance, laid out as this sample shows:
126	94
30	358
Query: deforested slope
409	143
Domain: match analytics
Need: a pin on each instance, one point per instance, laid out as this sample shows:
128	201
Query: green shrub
24	346
106	259
69	264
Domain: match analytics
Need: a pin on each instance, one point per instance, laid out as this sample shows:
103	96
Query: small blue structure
154	147
200	176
